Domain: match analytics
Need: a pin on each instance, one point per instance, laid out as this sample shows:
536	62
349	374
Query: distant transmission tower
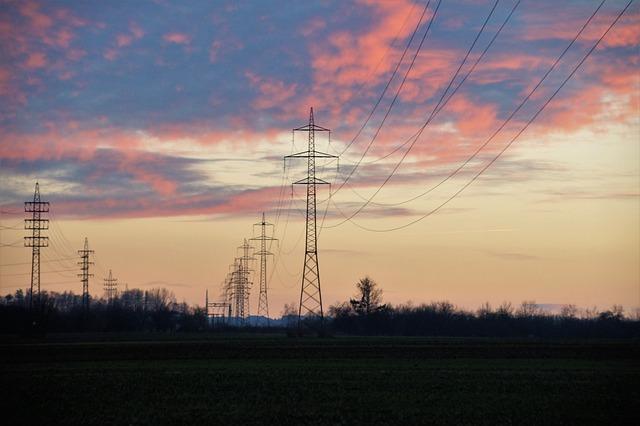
110	287
36	224
84	266
263	302
310	294
241	283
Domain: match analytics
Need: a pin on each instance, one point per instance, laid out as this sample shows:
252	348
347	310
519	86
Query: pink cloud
177	38
110	54
36	60
136	30
123	40
312	27
61	38
473	118
67	17
547	23
245	202
273	93
67	75
5	81
38	20
76	54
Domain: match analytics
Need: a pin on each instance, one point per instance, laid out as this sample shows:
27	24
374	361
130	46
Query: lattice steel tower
36	224
310	293
110	287
84	267
242	282
263	302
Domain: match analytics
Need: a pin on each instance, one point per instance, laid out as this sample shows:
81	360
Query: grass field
262	379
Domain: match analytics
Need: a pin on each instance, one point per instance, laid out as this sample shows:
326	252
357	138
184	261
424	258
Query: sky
157	130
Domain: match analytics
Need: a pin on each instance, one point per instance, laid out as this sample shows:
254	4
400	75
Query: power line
431	116
48	284
386	87
42	272
529	122
277	256
395	98
507	120
12	228
350	217
453	92
17	243
375	69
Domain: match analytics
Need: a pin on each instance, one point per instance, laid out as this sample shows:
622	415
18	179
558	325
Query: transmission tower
263	303
36	224
110	287
240	282
84	266
310	294
236	290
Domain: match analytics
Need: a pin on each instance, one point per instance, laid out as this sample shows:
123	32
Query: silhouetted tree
290	313
369	297
528	309
485	310
569	311
505	310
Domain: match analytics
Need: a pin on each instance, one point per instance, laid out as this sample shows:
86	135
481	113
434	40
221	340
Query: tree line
364	314
130	310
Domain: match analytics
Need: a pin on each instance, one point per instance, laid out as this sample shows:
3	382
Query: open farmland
247	379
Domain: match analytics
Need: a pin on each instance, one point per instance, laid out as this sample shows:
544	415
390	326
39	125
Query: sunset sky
156	129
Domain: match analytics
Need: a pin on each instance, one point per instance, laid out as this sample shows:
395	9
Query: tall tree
369	297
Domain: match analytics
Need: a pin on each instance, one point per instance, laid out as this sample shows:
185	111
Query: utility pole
36	224
84	266
263	303
111	287
310	293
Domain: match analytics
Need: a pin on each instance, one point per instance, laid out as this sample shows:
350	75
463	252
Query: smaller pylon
110	287
241	282
84	267
263	301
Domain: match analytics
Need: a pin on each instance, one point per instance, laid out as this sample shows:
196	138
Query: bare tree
569	311
289	312
505	310
160	299
340	309
444	307
369	297
590	313
529	309
289	309
485	310
617	311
